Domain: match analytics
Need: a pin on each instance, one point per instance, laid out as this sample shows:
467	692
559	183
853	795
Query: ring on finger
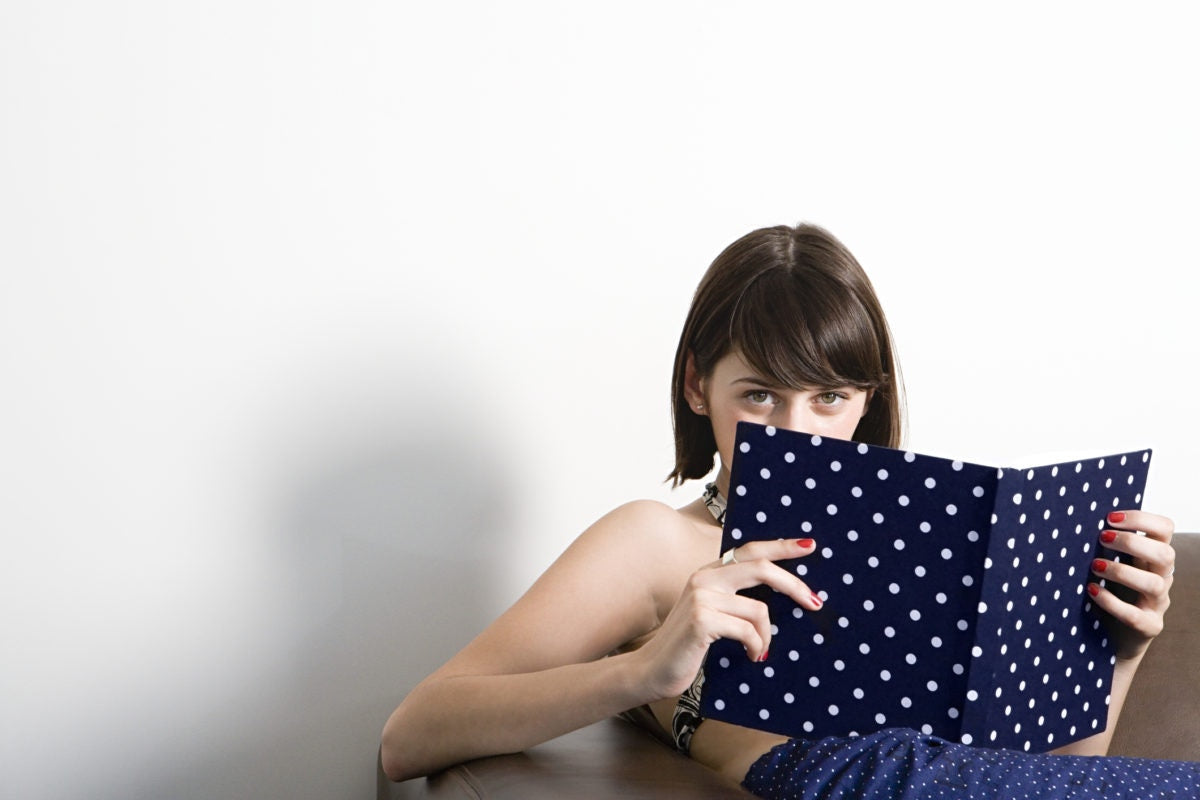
728	557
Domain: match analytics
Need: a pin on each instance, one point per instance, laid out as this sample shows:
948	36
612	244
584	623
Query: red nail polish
764	655
1093	589
816	598
1099	565
1116	516
1108	537
804	544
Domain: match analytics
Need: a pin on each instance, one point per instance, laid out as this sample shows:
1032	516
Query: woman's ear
693	385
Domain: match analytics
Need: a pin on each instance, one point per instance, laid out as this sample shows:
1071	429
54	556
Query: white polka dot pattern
903	764
955	603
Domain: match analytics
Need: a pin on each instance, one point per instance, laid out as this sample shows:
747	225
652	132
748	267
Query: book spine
978	703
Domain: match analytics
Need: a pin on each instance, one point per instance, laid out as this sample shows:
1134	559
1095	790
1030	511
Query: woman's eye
758	397
829	398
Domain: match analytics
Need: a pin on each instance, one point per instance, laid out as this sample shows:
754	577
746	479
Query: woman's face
734	391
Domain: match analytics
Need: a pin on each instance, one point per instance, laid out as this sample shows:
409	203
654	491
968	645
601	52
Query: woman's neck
722	481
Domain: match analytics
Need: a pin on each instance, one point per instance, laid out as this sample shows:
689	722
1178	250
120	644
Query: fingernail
1108	537
1099	565
816	598
1116	516
1093	589
764	655
804	544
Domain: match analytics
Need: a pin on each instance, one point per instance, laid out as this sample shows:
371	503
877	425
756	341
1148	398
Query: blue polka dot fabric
954	593
895	764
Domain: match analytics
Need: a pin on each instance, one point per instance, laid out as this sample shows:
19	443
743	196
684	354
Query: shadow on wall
387	553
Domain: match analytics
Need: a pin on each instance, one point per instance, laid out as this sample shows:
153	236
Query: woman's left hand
1146	570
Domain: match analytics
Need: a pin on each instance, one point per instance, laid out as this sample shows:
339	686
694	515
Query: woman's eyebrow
755	380
766	383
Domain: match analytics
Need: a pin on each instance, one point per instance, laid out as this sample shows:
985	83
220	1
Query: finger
746	574
771	550
1153	525
747	608
1149	553
719	625
1149	584
1148	623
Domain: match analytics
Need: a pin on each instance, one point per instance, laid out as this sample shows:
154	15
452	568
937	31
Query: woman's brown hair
801	311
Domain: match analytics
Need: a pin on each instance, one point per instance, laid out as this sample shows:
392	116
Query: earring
699	406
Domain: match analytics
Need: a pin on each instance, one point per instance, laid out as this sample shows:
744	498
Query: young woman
784	330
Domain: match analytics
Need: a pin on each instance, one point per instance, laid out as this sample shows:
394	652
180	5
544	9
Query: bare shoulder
633	562
645	519
651	546
652	531
613	584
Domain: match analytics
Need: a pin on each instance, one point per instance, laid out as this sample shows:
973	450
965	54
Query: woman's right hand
709	608
540	669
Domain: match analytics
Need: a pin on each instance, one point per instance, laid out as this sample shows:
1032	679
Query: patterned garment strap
686	718
715	502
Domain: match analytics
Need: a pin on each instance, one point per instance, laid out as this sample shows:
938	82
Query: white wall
324	327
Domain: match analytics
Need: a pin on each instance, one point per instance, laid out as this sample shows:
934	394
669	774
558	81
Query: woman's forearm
447	720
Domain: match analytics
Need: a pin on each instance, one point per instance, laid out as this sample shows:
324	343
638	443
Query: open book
954	593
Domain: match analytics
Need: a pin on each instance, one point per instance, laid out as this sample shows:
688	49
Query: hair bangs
797	306
804	334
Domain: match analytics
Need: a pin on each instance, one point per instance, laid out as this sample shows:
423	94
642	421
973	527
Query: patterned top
715	502
686	718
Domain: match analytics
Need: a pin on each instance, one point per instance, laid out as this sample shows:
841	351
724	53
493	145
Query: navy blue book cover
954	593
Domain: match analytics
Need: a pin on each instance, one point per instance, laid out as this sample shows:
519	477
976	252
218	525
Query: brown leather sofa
615	758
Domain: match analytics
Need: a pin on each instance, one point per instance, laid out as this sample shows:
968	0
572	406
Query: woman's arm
1148	573
539	670
451	718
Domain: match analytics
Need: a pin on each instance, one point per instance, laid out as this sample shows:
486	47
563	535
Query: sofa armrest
611	758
